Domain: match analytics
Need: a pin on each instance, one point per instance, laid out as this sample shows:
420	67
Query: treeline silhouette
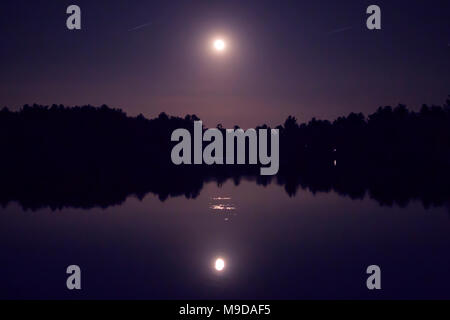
87	156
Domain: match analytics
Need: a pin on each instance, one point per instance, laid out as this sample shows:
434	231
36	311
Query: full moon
219	45
220	264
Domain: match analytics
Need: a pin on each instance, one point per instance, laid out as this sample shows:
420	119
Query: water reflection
219	265
223	206
309	246
385	186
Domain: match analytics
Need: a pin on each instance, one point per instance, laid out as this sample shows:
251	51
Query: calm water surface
273	246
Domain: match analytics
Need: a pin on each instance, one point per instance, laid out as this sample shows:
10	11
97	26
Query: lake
271	246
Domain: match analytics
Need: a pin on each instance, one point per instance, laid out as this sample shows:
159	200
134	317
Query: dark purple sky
305	58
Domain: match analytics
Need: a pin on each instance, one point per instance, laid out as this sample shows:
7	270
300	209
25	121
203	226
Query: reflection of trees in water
386	189
86	156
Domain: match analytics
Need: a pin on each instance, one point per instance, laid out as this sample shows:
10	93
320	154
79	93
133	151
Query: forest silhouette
57	156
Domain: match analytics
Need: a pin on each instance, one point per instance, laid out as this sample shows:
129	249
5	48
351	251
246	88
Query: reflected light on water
221	206
219	264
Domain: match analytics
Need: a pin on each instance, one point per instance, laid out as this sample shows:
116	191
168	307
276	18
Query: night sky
302	58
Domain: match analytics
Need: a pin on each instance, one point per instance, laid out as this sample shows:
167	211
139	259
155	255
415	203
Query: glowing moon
219	45
220	264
